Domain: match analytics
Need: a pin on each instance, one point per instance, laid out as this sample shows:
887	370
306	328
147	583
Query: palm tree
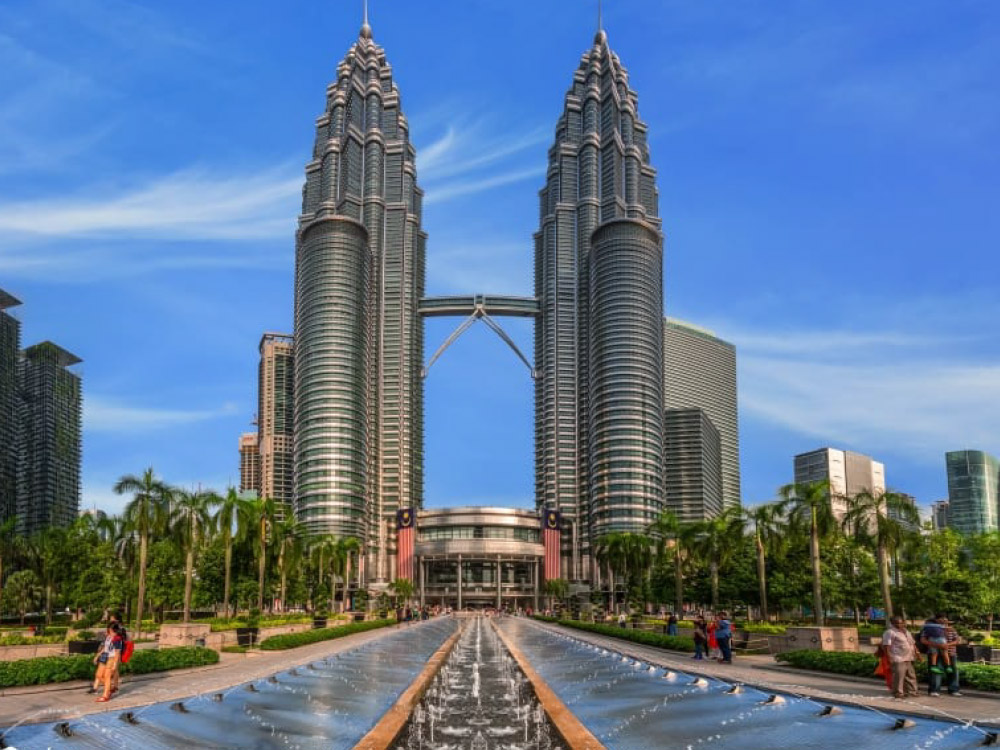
667	531
610	551
346	548
881	519
23	591
48	550
145	514
259	519
289	541
809	506
189	520
716	540
231	509
403	589
766	520
556	588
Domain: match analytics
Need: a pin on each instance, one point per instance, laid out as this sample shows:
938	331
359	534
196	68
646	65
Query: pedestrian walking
622	620
902	650
672	624
107	659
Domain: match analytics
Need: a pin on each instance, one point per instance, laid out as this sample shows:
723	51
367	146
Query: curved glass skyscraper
598	340
358	339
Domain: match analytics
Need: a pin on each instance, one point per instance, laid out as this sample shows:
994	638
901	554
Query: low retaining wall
14	653
225	638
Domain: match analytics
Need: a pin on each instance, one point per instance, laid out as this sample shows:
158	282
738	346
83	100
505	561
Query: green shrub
35	640
293	640
645	637
978	676
234	649
221	624
764	628
160	660
55	630
83	635
49	669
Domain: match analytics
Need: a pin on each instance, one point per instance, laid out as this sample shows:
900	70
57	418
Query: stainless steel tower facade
358	337
598	338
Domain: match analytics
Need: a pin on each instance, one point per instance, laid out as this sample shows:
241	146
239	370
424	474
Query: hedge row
646	638
978	676
34	640
294	640
49	669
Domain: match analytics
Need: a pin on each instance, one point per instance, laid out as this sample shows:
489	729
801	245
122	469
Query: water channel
629	704
480	700
326	704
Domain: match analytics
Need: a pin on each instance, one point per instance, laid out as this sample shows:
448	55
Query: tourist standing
951	668
700	637
902	651
713	642
724	636
672	624
622	620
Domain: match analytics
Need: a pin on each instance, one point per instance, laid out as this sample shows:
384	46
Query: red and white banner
405	522
551	537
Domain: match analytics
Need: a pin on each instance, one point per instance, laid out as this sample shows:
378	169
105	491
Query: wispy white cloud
499	267
191	204
102	414
889	392
471	157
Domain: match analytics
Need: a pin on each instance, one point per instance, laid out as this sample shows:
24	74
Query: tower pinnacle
366	30
600	36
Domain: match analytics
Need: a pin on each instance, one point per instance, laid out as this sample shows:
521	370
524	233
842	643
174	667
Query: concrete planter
319	623
822	639
83	647
184	634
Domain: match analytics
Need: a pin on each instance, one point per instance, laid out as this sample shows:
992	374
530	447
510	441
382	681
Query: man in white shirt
902	652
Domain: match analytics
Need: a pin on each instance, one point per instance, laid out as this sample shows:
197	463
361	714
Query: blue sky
828	185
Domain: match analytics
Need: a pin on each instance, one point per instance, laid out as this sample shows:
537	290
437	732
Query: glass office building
973	491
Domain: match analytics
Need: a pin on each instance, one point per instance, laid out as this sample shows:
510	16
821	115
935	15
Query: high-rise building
598	338
939	515
847	472
250	464
973	491
48	480
10	347
905	520
359	276
275	417
699	371
693	476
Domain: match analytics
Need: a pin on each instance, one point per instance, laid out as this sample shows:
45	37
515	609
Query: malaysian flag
405	520
551	532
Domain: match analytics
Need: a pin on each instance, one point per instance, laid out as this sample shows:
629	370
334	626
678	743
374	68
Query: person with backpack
127	648
107	660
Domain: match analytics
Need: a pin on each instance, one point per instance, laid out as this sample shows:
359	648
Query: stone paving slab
69	700
762	671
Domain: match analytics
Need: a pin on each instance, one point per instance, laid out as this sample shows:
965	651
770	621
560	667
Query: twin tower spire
359	334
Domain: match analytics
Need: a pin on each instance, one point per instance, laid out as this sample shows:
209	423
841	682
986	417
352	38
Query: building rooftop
8	300
48	350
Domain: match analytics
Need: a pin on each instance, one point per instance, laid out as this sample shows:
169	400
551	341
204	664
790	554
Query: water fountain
627	706
328	703
480	700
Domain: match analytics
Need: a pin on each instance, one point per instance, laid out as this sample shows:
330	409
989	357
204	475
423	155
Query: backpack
128	646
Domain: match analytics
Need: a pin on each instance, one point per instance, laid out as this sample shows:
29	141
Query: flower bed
50	669
978	676
294	640
645	637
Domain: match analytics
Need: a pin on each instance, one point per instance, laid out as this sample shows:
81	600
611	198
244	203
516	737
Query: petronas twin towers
359	301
